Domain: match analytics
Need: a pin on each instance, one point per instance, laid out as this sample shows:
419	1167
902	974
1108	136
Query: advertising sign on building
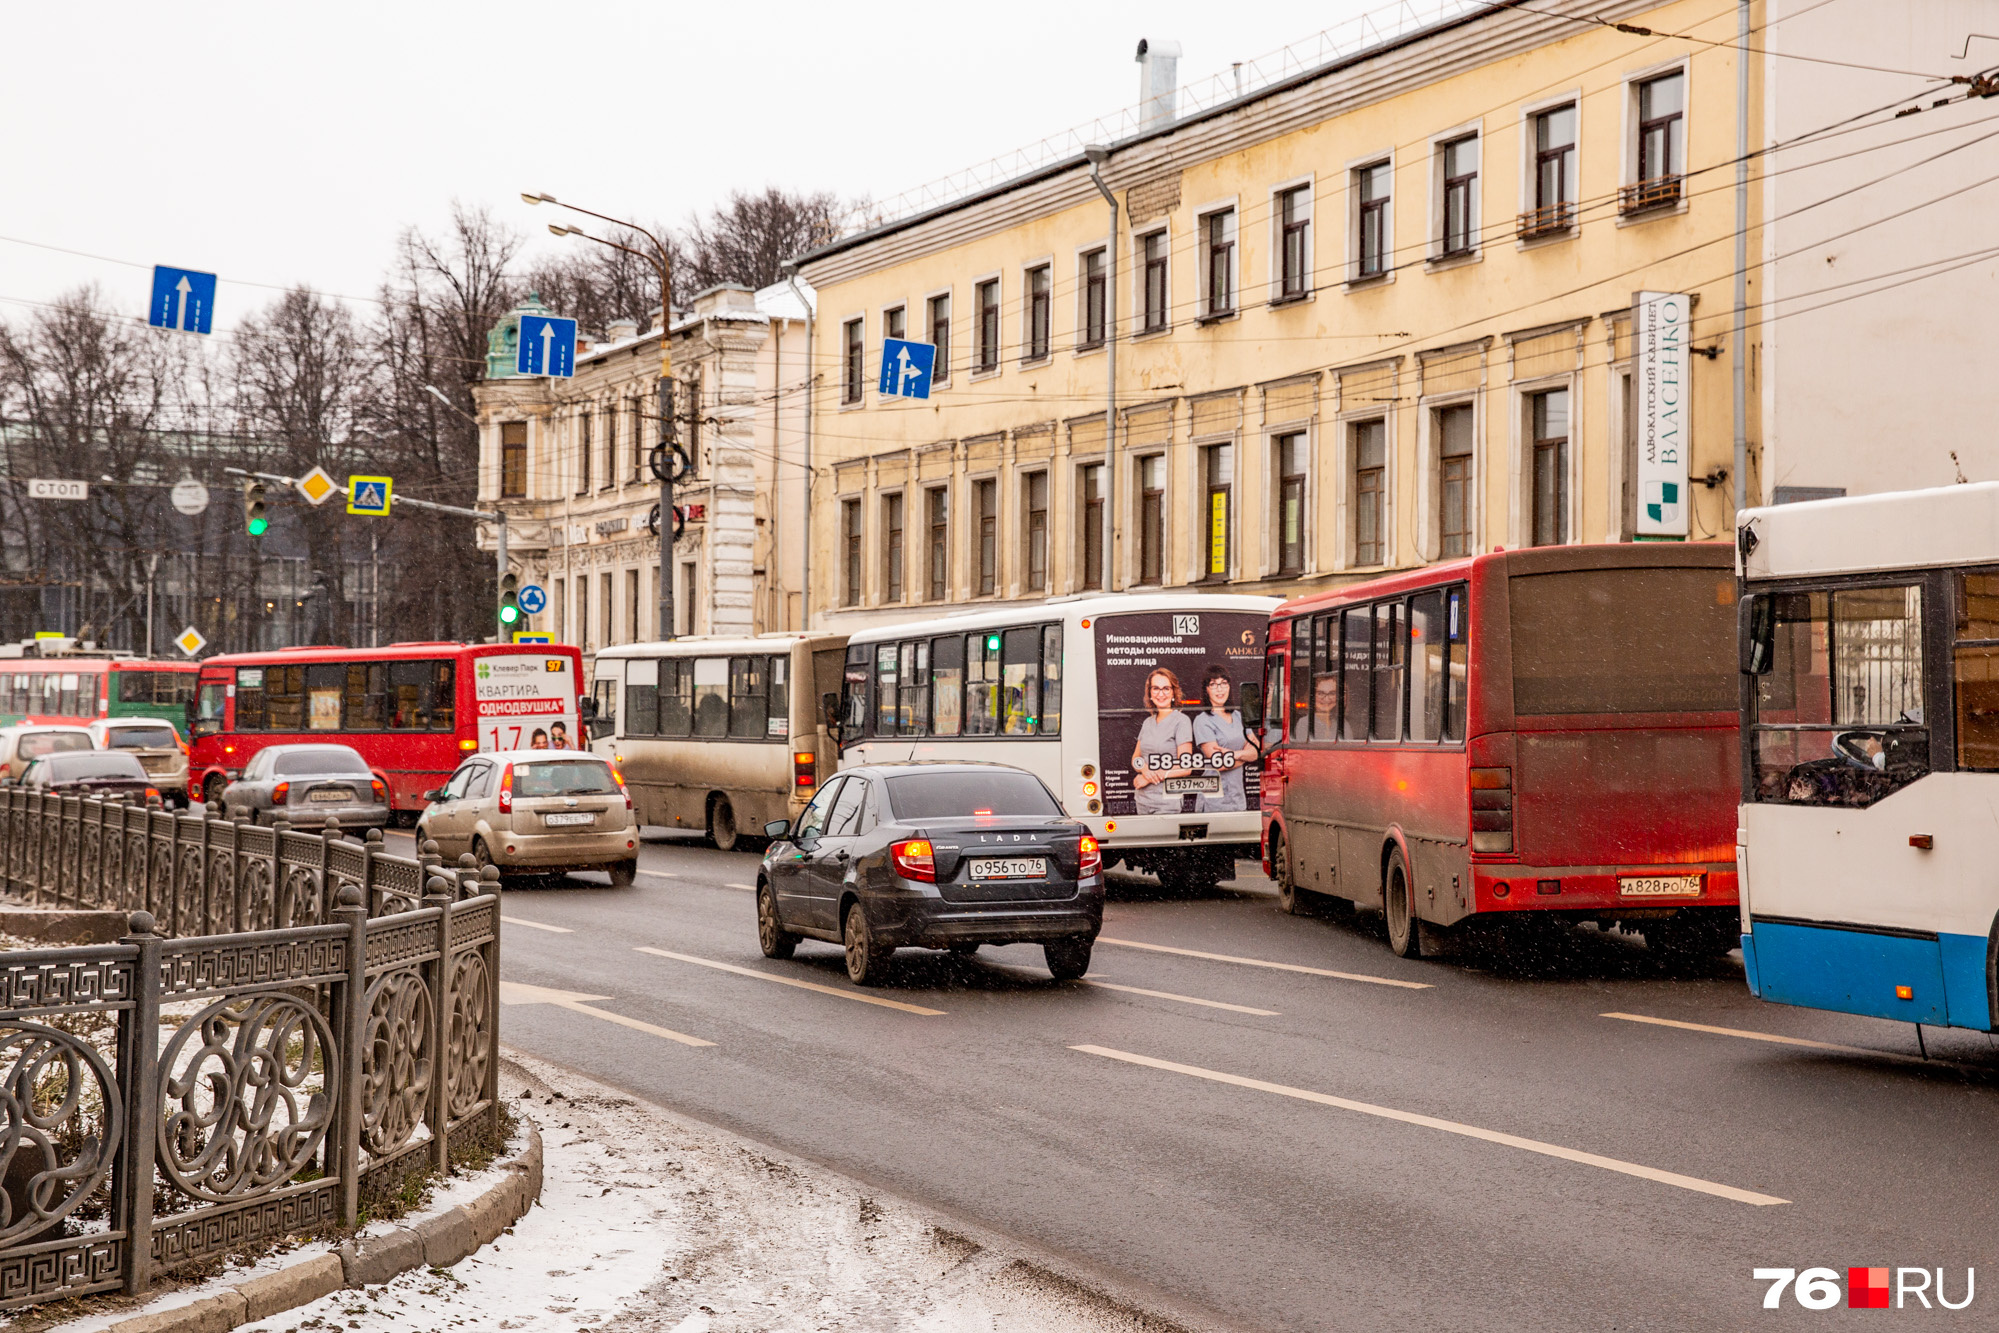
1659	402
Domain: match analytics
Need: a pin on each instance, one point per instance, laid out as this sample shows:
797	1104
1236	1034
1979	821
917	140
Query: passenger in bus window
1325	704
538	741
1219	736
1165	743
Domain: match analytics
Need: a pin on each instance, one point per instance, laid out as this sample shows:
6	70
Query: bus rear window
1623	641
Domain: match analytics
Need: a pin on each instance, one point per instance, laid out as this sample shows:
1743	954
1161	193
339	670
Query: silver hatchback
305	784
536	812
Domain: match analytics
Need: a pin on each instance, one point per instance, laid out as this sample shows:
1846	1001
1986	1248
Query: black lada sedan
937	855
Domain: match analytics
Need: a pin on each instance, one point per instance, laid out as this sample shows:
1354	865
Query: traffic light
254	520
510	599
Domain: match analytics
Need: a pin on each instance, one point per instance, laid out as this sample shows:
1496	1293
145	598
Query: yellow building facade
1374	316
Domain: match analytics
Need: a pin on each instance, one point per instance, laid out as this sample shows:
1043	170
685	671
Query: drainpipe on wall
1098	155
1739	352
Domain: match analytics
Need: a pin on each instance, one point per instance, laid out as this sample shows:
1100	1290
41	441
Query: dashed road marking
1183	999
791	981
1673	1178
746	888
515	992
1748	1035
536	925
660	874
1264	962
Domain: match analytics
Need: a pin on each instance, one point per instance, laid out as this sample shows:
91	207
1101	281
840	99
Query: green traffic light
509	614
259	525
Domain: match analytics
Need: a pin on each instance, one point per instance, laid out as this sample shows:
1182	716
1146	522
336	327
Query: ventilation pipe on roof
1158	83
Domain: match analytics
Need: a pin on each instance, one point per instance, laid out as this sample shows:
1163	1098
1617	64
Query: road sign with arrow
547	346
182	300
906	368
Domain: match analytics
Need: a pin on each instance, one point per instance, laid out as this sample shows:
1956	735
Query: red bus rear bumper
1518	888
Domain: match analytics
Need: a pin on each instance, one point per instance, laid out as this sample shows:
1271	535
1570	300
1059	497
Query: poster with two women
1172	736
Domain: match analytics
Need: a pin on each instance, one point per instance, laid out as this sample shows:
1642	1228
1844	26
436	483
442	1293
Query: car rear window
140	738
565	777
322	759
92	765
38	743
961	795
1624	641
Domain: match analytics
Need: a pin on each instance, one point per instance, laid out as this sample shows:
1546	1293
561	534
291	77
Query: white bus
1867	840
1138	710
718	734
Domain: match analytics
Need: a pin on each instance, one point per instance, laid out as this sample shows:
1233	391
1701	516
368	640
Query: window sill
1672	208
1088	349
1218	317
1146	335
855	405
1541	240
1279	302
1443	263
978	375
1371	280
1035	362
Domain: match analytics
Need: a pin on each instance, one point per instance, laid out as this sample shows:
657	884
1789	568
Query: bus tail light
468	744
507	790
1492	809
1090	857
281	794
804	768
915	860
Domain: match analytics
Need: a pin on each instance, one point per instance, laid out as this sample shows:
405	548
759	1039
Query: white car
538	812
155	744
25	742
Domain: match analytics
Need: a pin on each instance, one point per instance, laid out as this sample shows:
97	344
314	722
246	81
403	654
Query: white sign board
44	488
1660	403
189	496
518	694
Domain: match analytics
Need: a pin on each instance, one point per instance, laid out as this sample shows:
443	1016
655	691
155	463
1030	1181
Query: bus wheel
722	824
1290	898
1405	935
211	790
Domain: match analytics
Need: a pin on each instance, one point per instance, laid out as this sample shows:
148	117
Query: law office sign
1660	401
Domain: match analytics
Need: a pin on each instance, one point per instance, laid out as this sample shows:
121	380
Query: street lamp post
1098	155
668	445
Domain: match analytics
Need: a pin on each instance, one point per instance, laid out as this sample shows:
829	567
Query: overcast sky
284	144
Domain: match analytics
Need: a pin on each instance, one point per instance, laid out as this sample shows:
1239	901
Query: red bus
413	710
82	689
1527	736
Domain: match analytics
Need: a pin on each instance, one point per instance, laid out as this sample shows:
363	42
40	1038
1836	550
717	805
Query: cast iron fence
167	1099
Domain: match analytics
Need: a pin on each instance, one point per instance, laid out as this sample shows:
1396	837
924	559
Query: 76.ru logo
1866	1288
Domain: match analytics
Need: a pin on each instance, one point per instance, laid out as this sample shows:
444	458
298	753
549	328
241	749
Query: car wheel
623	873
1291	899
484	856
1068	959
722	824
772	937
867	960
1405	934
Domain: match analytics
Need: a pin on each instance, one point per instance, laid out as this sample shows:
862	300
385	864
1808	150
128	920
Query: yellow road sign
190	641
316	485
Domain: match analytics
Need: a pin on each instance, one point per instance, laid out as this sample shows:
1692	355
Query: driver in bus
1165	739
1218	731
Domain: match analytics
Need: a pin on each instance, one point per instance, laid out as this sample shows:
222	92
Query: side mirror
1252	705
586	708
778	828
1756	634
435	793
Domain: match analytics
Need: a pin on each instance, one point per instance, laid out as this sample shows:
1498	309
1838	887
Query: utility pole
1099	155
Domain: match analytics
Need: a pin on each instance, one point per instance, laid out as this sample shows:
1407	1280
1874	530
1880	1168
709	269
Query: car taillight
615	773
1089	857
507	790
914	859
152	793
281	793
804	768
381	791
1492	809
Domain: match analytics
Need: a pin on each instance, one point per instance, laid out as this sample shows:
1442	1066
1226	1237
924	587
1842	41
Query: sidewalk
651	1222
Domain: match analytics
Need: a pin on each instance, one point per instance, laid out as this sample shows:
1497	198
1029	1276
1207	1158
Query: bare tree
595	284
748	237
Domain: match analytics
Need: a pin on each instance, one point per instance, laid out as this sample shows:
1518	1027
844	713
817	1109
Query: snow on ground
651	1222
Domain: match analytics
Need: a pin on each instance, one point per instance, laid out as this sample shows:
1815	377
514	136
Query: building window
852	361
684	607
1291	465
939	499
1554	174
1218	465
1370	476
1460	221
850	531
636	406
1034	492
1371	185
583	610
604	600
892	548
1152	519
513	459
1218	249
985	495
1152	250
1662	143
1040	297
1551	467
894	324
1454	494
1096	289
631	606
1294	242
1092	492
562	611
940	336
989	325
583	447
609	472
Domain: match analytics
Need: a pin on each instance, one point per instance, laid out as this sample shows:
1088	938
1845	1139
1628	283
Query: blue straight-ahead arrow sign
906	368
547	346
182	299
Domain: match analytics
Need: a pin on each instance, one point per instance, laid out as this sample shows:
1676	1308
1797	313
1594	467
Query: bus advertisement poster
519	694
1172	739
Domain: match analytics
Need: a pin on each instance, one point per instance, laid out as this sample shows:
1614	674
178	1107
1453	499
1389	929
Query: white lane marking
790	981
1262	962
1694	1183
746	888
536	925
1183	999
1752	1036
516	992
660	874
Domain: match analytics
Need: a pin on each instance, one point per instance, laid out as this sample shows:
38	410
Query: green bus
82	689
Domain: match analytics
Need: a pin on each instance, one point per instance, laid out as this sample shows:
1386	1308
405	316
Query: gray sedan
305	784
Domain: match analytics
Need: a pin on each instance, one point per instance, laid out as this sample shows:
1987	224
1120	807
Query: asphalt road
1303	1131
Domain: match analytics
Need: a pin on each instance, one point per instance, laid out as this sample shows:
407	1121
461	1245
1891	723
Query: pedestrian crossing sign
369	495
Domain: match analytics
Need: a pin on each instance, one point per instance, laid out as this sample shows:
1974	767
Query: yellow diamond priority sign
189	641
316	485
369	495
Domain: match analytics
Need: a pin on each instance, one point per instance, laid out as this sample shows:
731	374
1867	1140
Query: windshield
1624	641
962	795
565	777
94	766
38	743
140	738
319	759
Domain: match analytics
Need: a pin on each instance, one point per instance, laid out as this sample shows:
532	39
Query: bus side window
1428	640
1301	681
1020	681
913	688
778	725
982	714
1325	679
1051	680
1275	697
284	697
250	715
885	689
443	696
947	685
1459	680
208	718
641	697
749	698
1975	671
66	701
1356	661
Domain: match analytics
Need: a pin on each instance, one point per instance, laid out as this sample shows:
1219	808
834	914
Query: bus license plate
1659	886
1010	867
1206	783
582	817
332	794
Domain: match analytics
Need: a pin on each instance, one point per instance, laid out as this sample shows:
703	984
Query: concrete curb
435	1242
60	926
